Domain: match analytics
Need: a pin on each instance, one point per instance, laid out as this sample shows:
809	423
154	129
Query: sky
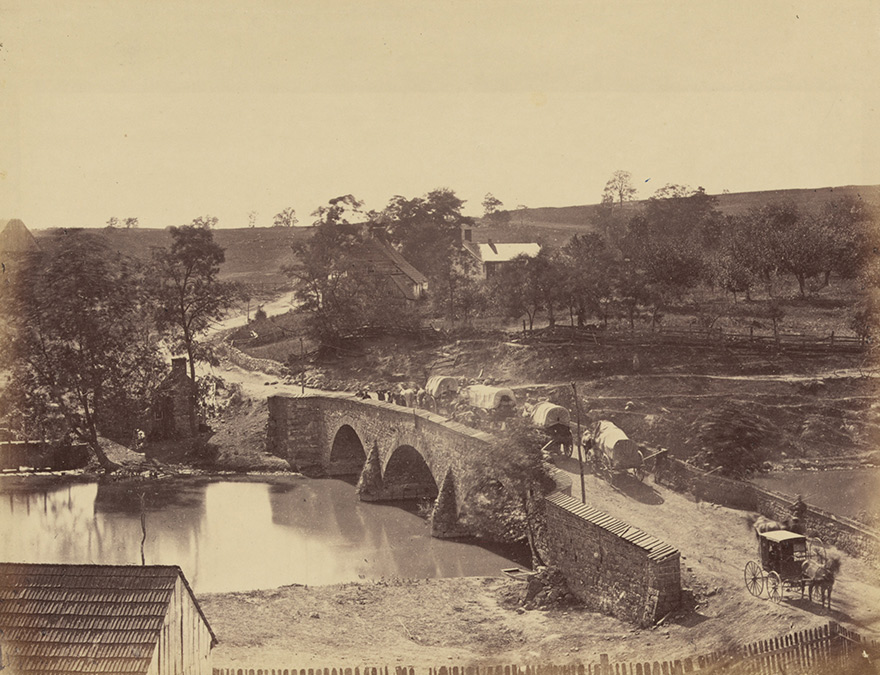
166	111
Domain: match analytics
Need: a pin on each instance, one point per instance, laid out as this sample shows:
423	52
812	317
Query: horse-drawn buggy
790	561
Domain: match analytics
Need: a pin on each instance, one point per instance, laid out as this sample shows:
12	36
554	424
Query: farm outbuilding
101	619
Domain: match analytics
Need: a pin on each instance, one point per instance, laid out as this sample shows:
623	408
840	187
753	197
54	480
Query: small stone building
174	409
109	619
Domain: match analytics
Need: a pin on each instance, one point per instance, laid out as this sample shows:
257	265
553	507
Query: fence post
832	338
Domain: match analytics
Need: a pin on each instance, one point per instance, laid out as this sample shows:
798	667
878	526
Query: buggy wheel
817	549
569	450
754	578
775	591
640	473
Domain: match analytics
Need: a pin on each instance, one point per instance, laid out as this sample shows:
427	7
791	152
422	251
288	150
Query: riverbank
463	621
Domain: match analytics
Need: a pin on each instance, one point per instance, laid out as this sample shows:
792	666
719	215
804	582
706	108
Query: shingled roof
84	618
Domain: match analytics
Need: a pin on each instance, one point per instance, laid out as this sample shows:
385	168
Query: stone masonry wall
844	533
610	566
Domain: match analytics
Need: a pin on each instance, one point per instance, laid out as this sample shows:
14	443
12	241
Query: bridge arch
347	453
407	475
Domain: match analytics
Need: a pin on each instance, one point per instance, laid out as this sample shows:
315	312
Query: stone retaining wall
844	533
242	360
609	565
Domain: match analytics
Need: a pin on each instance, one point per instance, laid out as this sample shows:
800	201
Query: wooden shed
105	619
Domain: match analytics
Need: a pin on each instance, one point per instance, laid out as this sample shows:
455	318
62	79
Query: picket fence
828	649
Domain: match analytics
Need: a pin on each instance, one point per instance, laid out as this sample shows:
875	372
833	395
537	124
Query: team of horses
815	574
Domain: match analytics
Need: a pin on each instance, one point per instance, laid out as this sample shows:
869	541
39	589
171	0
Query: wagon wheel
754	578
775	589
641	472
817	549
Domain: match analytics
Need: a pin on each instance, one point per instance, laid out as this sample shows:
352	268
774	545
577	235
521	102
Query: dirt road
432	622
716	543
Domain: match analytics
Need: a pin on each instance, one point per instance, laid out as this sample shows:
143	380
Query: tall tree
287	218
337	292
427	229
588	276
190	294
493	212
82	353
527	285
619	188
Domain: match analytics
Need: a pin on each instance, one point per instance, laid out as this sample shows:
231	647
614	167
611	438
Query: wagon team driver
798	511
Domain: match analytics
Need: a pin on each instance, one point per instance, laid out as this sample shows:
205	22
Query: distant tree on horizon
204	222
286	218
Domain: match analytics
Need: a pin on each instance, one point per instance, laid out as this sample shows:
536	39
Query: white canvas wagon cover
441	384
489	398
610	441
548	414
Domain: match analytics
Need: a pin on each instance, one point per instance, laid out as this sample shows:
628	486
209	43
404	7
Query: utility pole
577	405
302	367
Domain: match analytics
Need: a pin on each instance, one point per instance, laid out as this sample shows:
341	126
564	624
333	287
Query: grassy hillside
253	256
555	225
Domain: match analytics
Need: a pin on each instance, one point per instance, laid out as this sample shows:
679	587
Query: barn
105	619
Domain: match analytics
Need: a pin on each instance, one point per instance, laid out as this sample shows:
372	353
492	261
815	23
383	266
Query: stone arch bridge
412	453
406	452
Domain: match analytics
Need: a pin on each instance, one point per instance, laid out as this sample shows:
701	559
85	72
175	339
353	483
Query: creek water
231	535
854	493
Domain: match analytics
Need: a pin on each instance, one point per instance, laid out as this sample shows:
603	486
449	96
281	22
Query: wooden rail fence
828	649
698	338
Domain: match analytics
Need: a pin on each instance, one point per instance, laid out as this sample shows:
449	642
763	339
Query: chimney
467	234
178	366
492	246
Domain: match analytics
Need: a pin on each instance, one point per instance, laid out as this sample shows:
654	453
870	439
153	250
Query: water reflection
231	535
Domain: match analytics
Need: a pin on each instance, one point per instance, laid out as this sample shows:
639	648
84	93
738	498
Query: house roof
16	238
84	618
381	259
495	252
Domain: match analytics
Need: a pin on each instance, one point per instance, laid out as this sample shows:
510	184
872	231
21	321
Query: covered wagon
611	450
439	386
548	414
555	421
490	398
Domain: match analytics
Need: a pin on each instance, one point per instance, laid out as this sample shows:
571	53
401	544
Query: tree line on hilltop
637	262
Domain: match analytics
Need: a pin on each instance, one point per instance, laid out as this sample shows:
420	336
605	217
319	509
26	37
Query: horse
760	524
820	576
